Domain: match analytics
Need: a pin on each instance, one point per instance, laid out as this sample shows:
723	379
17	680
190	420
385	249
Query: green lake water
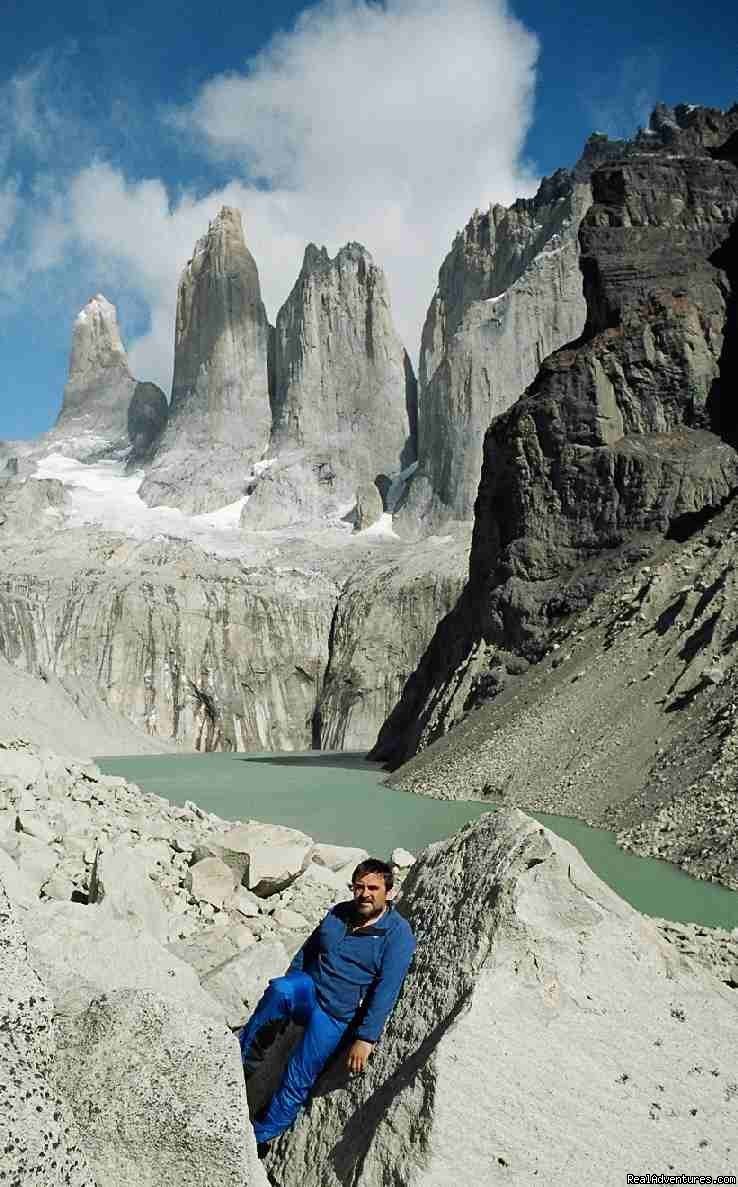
339	798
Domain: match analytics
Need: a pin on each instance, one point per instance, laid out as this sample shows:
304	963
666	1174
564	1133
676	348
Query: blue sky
123	128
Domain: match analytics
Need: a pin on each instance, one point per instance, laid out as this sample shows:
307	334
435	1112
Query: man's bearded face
370	896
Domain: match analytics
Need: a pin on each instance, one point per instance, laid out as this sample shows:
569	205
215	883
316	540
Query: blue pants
292	998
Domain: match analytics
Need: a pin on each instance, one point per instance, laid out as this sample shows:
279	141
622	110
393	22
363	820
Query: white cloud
382	123
386	123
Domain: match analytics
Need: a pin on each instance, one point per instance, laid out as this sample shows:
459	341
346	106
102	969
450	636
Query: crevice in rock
316	720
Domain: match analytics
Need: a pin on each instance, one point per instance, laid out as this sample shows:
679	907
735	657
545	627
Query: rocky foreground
545	1027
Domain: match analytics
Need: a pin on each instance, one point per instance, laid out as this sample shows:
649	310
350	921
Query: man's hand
358	1053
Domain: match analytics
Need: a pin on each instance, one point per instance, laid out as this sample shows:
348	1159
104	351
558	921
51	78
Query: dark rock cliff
628	431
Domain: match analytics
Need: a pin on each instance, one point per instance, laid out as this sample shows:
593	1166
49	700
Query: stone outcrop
528	969
617	435
34	1119
219	413
159	1095
24	504
369	507
225	656
343	400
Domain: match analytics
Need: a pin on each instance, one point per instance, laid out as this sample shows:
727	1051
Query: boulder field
545	1028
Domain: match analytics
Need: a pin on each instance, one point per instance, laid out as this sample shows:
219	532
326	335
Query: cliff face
343	398
219	420
509	293
186	647
216	653
614	437
383	618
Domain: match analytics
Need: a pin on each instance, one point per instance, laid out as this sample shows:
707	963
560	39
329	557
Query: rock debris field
135	935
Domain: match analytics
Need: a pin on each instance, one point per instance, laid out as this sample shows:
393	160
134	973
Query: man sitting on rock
347	974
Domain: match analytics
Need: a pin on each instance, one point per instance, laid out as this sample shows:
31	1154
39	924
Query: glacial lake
339	798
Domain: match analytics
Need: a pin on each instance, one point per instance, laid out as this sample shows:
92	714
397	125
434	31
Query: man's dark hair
373	865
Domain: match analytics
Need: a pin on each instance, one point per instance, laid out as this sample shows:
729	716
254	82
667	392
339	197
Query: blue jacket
357	974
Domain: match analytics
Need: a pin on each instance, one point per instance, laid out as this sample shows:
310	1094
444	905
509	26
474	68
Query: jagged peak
97	306
96	340
226	226
317	259
227	216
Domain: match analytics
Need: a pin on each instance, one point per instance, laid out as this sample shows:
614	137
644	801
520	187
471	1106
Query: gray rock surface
528	970
509	293
81	953
119	882
34	1119
368	507
238	982
343	403
100	385
383	614
219	416
228	655
158	1094
25	504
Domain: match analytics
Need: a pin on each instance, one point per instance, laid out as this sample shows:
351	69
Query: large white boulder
335	857
121	885
19	888
82	952
274	867
211	881
158	1094
39	1140
238	983
264	857
402	858
546	1033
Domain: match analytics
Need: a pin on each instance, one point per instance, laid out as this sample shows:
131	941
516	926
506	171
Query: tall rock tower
344	397
219	414
100	385
509	294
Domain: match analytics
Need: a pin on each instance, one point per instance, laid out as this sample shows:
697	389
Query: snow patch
104	495
382	527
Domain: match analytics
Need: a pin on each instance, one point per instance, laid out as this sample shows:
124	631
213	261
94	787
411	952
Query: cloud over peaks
386	123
